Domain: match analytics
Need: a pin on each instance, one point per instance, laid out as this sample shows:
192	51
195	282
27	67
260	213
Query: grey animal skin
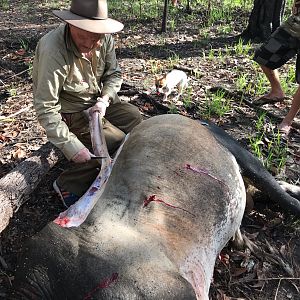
174	199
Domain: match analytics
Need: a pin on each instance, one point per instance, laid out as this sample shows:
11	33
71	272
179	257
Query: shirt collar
69	42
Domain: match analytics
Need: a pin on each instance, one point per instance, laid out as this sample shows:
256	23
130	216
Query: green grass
173	109
217	14
267	145
225	29
155	66
153	9
172	25
4	4
242	49
173	60
56	4
24	44
215	105
288	81
187	98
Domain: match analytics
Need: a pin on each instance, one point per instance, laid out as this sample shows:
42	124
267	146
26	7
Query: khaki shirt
65	81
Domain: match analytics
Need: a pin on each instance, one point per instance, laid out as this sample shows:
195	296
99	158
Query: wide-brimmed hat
89	15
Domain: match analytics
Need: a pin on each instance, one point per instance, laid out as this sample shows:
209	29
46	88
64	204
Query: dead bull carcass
173	200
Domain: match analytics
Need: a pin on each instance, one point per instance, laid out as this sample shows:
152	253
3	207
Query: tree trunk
265	17
188	8
165	17
23	179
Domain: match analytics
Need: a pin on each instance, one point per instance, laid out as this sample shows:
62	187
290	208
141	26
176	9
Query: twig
243	293
3	263
2	118
15	75
277	289
127	88
271	257
3	273
11	77
128	93
145	115
264	279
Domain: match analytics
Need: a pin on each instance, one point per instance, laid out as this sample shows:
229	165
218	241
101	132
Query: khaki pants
120	119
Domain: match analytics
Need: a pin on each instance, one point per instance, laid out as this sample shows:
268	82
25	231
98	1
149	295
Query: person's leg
271	55
285	125
276	91
123	115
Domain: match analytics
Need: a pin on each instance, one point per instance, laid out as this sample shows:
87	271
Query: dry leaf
19	154
11	134
224	258
238	271
20	51
3	138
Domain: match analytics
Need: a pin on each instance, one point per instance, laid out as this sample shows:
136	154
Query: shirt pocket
76	87
75	82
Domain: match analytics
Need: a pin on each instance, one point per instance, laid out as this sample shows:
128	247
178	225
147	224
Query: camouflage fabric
277	50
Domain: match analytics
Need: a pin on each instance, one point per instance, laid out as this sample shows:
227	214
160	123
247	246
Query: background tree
165	17
175	3
265	17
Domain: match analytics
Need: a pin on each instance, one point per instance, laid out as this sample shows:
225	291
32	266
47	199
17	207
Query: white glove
100	106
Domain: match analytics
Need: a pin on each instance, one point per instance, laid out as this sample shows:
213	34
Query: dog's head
160	83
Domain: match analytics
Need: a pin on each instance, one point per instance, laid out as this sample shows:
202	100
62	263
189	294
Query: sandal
266	100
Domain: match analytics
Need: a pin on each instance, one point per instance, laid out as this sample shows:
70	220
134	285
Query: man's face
85	41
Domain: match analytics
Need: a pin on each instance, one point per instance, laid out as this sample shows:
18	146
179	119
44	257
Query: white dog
167	83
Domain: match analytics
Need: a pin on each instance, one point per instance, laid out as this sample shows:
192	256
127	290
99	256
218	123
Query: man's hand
100	106
81	156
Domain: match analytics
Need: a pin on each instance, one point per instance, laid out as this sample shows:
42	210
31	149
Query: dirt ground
273	271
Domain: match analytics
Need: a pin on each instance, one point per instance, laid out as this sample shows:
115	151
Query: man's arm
49	73
112	77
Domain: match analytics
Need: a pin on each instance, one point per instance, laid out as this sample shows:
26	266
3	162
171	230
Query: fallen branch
155	103
190	71
3	118
22	180
129	90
